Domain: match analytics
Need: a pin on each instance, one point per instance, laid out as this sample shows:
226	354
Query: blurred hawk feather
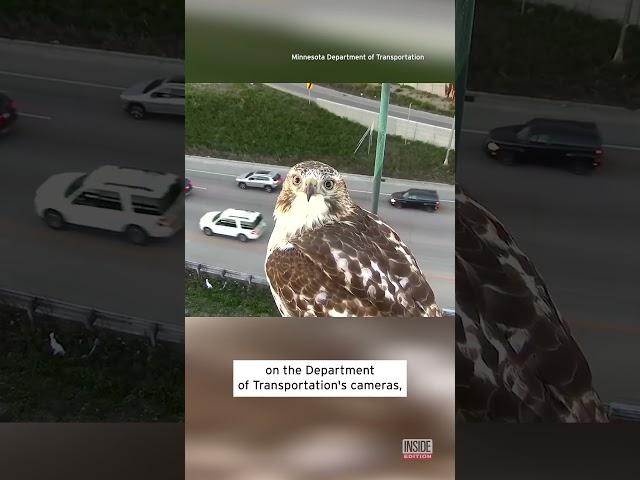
515	357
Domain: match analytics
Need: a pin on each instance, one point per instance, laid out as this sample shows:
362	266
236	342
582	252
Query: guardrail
253	279
92	317
226	274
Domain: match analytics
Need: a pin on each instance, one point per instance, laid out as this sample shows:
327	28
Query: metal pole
382	137
408	117
618	56
523	6
453	129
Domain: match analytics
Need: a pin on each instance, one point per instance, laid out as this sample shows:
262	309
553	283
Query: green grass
124	380
226	298
551	52
140	26
259	124
402	95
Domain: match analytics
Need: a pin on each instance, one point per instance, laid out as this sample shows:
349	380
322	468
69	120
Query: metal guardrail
226	274
92	318
253	279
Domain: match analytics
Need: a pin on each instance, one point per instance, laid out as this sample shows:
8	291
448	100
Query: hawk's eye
329	184
297	179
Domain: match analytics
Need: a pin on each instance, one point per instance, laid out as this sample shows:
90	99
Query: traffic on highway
218	185
72	157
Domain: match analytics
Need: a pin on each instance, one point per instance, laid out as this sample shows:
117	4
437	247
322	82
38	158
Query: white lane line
621	147
605	145
199	188
60	80
480	132
230	175
210	173
33	115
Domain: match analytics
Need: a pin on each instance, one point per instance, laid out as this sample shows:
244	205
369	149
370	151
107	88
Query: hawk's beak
310	188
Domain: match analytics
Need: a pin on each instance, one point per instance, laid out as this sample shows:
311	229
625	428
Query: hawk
329	257
516	360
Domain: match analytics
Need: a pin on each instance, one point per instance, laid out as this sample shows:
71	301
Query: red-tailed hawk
516	360
329	257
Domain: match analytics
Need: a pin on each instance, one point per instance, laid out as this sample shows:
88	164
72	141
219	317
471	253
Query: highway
300	90
430	236
71	120
582	232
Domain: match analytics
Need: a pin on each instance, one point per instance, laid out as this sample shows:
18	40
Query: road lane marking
60	80
33	115
211	173
605	145
231	175
199	188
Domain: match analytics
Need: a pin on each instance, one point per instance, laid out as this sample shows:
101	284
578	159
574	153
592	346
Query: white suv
241	224
138	203
155	96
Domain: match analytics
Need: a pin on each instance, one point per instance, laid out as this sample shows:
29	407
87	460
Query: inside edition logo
417	448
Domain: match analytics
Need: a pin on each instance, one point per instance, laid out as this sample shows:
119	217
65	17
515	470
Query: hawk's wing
356	267
515	358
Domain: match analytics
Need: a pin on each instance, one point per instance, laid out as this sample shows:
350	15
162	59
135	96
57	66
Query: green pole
382	138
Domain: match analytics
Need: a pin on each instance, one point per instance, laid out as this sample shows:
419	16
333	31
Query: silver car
163	95
264	179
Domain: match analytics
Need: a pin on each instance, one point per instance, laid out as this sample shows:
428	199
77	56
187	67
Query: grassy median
227	298
253	122
553	52
154	27
123	380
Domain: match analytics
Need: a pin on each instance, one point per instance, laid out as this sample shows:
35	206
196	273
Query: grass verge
123	380
227	298
153	27
252	122
402	95
552	52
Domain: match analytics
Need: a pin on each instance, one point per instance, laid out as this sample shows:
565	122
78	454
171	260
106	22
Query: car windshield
151	86
75	185
215	217
524	133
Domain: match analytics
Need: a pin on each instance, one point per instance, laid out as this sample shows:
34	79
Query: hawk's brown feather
515	358
357	266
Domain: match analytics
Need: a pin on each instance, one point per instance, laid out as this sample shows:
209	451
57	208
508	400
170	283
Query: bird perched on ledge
516	360
329	257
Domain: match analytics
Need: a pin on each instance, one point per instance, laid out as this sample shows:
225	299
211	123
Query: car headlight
393	200
493	147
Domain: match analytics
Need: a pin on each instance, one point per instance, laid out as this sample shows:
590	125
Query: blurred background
317	438
254	39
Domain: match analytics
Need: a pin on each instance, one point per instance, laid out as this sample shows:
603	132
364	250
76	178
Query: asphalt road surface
300	90
430	236
71	120
582	232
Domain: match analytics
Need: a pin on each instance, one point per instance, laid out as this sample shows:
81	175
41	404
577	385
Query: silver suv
264	179
163	95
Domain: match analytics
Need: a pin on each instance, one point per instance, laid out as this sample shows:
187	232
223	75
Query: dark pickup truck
565	143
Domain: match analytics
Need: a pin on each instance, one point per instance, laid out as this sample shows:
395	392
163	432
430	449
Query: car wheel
506	157
242	237
268	188
397	205
207	231
242	185
54	219
137	111
431	209
136	235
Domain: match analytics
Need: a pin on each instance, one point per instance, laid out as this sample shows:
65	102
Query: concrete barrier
401	127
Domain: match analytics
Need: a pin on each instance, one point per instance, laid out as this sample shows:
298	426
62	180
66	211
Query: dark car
416	198
8	112
566	143
188	186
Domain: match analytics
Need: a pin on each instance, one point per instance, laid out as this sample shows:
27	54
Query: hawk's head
313	193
